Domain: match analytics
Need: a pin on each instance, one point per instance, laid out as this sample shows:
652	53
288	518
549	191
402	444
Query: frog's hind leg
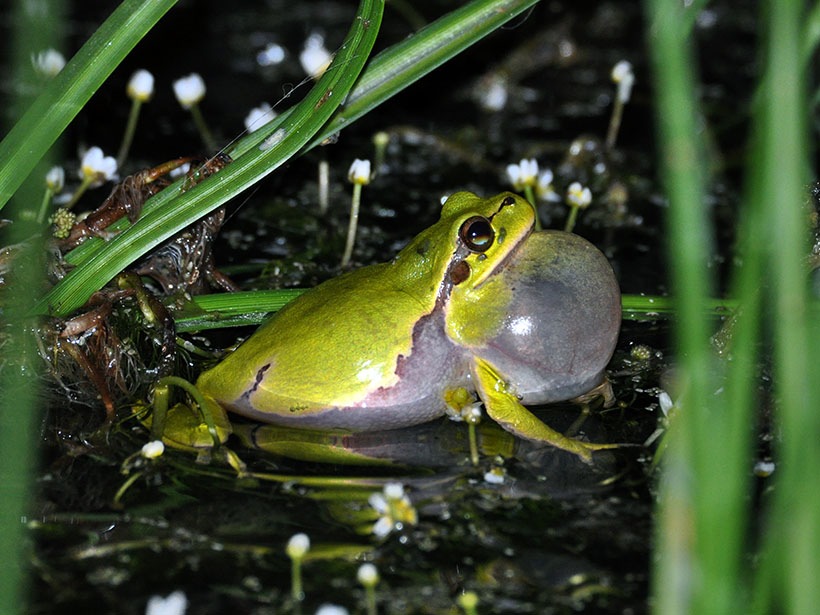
503	407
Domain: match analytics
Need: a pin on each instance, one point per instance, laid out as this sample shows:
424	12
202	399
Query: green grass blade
20	412
251	307
232	309
787	581
812	32
70	90
699	532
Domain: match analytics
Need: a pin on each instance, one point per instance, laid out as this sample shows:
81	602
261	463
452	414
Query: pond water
530	529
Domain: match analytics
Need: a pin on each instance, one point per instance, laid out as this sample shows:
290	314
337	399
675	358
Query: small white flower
544	188
189	90
172	604
525	173
298	545
471	413
667	406
578	195
97	168
331	609
367	575
394	491
271	55
314	57
141	86
382	527
621	70
764	469
180	171
665	402
495	476
359	172
153	449
55	179
394	507
493	93
622	75
48	62
259	116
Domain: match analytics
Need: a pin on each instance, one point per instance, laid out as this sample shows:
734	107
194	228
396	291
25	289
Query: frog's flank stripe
259	375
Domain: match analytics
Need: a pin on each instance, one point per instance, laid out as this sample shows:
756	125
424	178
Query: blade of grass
20	412
811	40
701	510
70	90
232	309
788	579
252	307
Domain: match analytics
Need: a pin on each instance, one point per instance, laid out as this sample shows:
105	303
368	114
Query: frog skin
477	302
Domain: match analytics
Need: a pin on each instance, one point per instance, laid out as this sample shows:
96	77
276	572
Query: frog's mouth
481	275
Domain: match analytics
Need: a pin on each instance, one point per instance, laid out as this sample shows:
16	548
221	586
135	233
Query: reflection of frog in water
477	303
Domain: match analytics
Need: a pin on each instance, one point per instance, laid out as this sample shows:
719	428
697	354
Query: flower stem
529	194
202	127
41	215
614	123
370	599
124	487
354	221
296	579
471	430
324	186
130	129
573	214
79	192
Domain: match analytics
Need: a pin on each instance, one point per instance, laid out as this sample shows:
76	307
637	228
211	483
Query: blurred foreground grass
706	559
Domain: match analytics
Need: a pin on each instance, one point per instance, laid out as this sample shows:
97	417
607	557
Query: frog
478	303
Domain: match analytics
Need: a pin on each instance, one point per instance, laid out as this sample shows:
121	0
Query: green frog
478	303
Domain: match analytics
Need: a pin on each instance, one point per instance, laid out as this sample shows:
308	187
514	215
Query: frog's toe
584	450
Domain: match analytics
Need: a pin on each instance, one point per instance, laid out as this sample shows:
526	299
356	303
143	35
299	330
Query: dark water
556	535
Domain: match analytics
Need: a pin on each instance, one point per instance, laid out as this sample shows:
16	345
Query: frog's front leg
504	408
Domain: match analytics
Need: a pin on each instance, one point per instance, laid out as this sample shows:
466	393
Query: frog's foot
504	408
603	391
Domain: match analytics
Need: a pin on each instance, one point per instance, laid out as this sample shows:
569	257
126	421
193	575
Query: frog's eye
477	234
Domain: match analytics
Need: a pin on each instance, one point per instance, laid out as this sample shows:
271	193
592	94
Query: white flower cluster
394	508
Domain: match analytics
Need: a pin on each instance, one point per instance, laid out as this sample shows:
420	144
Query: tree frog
476	303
